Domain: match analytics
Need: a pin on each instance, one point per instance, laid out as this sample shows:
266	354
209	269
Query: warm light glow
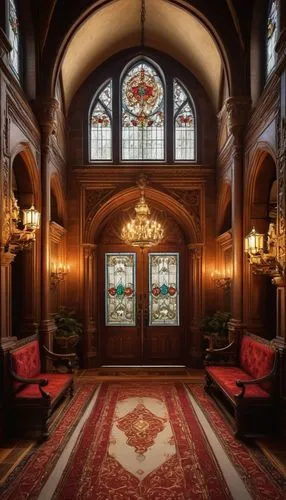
142	231
58	272
254	242
31	219
220	280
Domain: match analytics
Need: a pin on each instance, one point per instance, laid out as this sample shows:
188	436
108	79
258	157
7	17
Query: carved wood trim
57	232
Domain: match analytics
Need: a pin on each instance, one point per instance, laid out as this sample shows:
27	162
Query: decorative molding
191	200
48	118
94	198
264	113
21	114
56	232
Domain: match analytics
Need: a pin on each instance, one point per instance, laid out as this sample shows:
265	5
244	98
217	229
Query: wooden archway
101	219
25	282
260	291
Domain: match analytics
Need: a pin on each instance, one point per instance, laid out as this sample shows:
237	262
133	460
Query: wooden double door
141	305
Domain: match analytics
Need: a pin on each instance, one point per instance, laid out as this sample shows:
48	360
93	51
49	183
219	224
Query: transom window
272	35
138	117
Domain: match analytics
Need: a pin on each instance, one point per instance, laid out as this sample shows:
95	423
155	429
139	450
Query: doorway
141	305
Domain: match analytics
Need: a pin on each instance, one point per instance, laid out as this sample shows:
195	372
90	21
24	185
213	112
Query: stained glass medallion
143	117
14	36
272	34
120	289
184	124
164	289
101	126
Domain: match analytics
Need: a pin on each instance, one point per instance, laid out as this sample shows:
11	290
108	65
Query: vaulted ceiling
116	25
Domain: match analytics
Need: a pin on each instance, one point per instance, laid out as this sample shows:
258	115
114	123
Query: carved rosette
237	109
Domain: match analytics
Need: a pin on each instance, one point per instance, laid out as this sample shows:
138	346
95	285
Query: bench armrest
41	382
221	349
243	383
65	359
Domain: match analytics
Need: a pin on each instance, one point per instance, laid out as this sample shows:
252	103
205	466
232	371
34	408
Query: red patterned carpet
260	477
143	442
27	480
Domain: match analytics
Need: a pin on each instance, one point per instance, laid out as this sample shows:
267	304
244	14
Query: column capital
237	109
47	109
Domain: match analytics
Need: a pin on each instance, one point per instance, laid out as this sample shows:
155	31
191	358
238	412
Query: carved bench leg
45	427
208	383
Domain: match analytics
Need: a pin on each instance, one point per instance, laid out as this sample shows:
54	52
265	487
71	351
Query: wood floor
14	451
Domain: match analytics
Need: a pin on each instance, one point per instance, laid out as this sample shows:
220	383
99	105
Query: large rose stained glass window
101	126
143	114
184	123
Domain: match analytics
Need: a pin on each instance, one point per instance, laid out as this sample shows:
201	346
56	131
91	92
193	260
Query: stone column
237	108
48	123
196	296
91	341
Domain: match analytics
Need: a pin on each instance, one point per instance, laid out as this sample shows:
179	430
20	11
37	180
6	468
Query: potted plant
69	329
214	327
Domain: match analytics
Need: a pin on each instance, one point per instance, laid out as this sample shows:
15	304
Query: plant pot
67	344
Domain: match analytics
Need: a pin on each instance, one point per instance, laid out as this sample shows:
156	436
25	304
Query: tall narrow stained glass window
272	35
184	124
14	37
101	125
164	289
120	289
143	114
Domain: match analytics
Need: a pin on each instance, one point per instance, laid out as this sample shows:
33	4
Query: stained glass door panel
164	289
120	289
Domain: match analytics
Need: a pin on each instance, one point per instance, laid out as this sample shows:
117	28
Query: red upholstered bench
35	394
246	390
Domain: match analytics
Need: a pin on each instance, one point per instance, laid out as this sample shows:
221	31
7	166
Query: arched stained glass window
184	123
142	114
272	35
14	37
101	125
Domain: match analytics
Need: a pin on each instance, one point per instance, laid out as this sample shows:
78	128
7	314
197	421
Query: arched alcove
25	267
262	192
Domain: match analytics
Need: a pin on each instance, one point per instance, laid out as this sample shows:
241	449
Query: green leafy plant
67	323
216	323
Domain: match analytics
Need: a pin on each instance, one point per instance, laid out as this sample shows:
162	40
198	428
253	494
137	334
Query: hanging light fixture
20	231
143	231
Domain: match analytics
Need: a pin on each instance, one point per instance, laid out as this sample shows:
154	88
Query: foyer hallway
238	480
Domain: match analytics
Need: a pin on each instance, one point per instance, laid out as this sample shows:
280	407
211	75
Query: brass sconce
262	250
220	280
19	232
58	273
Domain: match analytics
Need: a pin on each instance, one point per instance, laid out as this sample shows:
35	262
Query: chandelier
143	231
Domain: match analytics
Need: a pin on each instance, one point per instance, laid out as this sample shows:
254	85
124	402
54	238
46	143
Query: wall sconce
262	250
58	273
19	233
220	280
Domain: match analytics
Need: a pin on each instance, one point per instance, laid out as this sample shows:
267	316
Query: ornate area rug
261	478
142	441
30	475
